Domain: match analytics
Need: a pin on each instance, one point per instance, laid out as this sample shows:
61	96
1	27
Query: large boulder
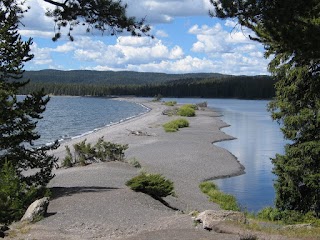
36	210
210	218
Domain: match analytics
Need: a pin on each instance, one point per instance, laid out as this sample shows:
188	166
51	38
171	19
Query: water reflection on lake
258	139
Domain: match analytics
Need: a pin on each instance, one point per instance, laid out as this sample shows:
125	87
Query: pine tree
290	33
19	116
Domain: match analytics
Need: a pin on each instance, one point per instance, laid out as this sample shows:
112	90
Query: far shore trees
290	33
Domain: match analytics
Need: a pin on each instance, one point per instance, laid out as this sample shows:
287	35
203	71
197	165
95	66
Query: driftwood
139	133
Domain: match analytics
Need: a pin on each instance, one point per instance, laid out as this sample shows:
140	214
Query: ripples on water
71	117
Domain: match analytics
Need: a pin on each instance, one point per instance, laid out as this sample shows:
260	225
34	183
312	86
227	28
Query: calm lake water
258	139
71	117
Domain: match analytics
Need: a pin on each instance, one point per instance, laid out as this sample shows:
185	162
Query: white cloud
160	11
222	47
161	33
41	55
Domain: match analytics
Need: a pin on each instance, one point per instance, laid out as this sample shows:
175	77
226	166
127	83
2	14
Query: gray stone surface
36	210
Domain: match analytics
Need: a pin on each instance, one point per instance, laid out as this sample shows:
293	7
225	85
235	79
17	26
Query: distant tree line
245	87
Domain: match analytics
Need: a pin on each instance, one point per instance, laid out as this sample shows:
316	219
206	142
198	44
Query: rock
210	218
37	209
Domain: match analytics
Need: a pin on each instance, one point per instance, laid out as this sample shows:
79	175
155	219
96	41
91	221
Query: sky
187	40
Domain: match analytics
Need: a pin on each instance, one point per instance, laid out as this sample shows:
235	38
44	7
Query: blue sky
186	40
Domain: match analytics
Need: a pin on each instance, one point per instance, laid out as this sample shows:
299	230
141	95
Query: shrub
170	103
68	160
288	216
105	151
102	151
15	195
83	152
134	162
193	106
186	111
226	201
174	125
154	185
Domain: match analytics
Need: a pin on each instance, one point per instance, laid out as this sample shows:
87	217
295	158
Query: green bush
154	185
15	195
108	151
226	201
193	106
170	103
102	151
288	216
186	111
134	162
174	125
68	160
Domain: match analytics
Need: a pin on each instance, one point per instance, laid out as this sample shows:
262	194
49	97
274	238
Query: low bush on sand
174	125
102	151
155	185
226	201
134	162
170	103
187	110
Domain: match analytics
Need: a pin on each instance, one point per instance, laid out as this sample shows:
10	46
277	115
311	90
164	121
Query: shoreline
149	105
93	201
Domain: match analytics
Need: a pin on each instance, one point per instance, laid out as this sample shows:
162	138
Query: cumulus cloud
41	55
222	47
164	11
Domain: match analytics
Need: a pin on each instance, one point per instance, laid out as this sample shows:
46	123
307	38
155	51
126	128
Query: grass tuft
226	201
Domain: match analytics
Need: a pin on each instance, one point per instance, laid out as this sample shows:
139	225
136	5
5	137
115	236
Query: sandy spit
93	202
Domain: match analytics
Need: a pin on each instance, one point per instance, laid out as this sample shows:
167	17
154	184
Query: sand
92	202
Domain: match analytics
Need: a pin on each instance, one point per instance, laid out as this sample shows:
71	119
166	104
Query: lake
258	139
71	117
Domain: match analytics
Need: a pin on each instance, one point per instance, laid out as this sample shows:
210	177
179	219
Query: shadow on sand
58	192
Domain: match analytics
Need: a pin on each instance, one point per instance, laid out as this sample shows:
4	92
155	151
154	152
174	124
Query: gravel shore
93	202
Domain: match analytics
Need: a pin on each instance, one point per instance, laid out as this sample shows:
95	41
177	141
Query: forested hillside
109	77
221	86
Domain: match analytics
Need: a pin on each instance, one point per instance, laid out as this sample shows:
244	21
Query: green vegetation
225	201
174	125
246	87
288	216
154	185
187	110
290	33
102	151
134	162
170	103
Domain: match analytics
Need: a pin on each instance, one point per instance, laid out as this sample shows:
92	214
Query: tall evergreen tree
18	117
290	33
